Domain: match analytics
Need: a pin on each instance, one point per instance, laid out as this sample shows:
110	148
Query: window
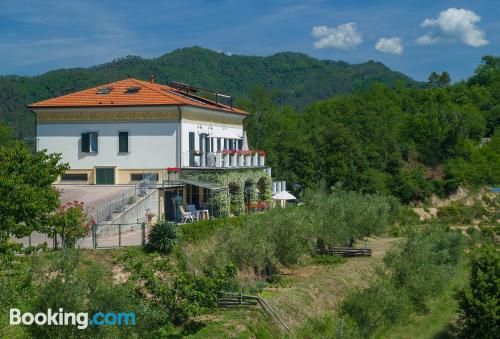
123	142
142	176
74	177
89	142
132	90
104	90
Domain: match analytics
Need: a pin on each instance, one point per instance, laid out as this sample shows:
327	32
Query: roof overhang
203	184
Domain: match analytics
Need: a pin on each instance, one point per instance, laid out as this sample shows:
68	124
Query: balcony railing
225	159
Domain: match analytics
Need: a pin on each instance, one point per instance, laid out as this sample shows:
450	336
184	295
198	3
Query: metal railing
119	205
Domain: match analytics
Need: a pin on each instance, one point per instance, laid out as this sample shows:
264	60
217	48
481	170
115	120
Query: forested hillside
297	79
403	141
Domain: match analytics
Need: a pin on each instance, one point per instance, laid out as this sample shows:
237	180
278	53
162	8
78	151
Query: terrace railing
119	205
224	159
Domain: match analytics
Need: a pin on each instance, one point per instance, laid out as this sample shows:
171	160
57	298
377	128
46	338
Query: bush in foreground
414	272
163	237
480	300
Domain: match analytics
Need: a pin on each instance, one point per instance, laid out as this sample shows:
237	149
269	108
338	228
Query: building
123	132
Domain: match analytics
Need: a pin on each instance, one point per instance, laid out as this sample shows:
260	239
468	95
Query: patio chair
185	216
192	209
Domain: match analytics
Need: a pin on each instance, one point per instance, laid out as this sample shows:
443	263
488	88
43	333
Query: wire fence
119	235
104	234
108	236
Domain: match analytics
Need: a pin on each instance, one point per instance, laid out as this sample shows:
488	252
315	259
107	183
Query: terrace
231	158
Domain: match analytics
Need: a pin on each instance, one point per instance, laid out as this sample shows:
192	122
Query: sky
413	37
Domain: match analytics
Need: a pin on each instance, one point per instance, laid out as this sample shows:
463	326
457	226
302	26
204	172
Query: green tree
433	79
444	79
5	135
479	302
27	196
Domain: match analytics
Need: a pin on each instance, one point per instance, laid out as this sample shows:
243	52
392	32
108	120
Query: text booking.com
61	318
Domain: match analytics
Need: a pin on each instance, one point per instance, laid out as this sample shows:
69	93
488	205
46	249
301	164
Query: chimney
152	79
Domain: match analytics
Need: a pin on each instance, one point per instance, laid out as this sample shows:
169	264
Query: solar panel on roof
134	89
104	90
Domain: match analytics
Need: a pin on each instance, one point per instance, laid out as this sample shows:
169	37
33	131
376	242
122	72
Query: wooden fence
230	300
348	251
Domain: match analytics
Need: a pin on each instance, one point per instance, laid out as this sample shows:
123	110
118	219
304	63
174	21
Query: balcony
224	160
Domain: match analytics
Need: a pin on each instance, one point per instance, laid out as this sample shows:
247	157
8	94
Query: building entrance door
105	176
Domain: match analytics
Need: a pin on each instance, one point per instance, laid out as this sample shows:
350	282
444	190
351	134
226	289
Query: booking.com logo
81	320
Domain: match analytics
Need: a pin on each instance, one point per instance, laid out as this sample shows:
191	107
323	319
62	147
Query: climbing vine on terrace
221	201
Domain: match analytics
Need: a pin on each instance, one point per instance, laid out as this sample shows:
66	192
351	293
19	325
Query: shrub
200	230
377	307
190	295
328	260
460	213
414	272
70	221
479	302
424	263
78	286
163	237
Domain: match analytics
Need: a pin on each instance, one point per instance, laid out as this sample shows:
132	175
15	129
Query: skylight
132	90
104	90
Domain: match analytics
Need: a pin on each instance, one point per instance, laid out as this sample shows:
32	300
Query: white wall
151	144
199	128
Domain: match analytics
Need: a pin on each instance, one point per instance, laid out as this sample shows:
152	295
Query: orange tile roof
150	94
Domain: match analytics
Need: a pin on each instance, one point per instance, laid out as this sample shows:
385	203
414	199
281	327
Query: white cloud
390	45
428	39
459	23
343	37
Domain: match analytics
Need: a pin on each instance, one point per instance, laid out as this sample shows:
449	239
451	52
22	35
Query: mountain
297	79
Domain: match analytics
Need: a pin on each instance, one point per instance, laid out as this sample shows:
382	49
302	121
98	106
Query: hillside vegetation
408	142
297	79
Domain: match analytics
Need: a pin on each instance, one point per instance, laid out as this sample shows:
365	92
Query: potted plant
248	158
262	158
241	158
225	154
255	159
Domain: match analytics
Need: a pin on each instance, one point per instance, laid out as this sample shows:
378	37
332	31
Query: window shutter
123	142
85	142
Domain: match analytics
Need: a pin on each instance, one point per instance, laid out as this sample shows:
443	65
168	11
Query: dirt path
313	291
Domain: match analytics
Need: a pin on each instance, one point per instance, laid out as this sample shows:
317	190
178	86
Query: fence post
94	235
54	247
119	235
143	232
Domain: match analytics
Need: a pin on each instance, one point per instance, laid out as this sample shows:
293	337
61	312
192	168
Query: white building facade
147	131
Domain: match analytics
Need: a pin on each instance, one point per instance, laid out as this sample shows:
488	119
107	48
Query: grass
439	321
235	323
311	291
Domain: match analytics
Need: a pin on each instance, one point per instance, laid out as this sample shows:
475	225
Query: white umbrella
284	195
244	147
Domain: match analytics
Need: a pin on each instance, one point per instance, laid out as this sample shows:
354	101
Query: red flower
173	169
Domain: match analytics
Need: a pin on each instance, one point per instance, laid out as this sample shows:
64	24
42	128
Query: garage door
105	176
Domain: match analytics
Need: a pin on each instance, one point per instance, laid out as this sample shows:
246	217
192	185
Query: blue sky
414	37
